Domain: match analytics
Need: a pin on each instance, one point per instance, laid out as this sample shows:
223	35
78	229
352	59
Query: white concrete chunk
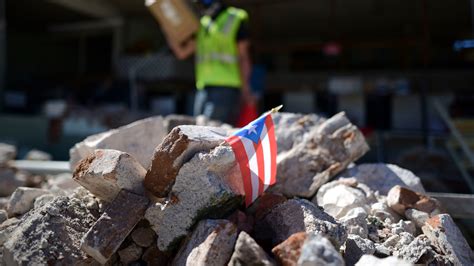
139	139
323	153
105	172
338	199
209	184
23	199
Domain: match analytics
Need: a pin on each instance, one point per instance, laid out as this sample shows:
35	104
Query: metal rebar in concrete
42	167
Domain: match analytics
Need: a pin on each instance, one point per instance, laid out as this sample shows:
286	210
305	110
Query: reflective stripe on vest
223	58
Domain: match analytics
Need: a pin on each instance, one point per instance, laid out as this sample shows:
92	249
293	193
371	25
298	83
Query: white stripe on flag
253	165
266	157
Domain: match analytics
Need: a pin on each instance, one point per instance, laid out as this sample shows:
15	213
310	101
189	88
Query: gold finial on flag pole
276	109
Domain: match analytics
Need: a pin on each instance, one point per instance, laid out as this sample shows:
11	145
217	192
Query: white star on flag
252	129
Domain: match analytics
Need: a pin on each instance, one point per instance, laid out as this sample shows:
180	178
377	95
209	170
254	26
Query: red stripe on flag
261	166
273	147
243	161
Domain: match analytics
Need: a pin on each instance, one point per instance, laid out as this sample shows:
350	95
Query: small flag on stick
255	149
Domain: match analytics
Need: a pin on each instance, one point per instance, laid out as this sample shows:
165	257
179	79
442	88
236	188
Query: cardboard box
176	18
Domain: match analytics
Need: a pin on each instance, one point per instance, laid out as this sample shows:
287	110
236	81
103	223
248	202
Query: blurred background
402	70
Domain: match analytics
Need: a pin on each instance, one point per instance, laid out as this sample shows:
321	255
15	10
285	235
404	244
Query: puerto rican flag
255	149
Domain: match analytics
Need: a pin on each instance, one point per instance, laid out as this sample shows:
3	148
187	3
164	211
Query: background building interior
401	70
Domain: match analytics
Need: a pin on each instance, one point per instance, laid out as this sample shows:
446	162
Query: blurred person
223	66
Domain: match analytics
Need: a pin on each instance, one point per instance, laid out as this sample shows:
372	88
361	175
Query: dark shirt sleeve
244	32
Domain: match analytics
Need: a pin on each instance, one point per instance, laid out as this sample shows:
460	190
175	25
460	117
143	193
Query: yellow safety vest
216	54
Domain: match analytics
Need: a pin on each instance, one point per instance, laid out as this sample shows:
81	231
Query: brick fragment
400	199
288	252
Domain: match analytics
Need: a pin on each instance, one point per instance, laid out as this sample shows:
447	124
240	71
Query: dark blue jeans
218	103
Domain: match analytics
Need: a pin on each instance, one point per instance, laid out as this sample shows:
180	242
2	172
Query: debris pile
168	191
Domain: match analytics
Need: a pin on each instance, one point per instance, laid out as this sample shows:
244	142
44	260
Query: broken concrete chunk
419	251
23	199
9	181
324	152
318	250
338	199
403	226
384	213
356	247
381	251
291	128
4	203
31	180
391	241
382	177
50	233
6	229
106	172
416	216
248	252
369	260
355	222
3	216
130	254
62	182
7	153
138	139
143	236
404	240
289	251
378	230
211	243
105	237
37	155
208	186
297	215
307	249
445	235
153	256
154	214
400	199
93	204
177	148
42	200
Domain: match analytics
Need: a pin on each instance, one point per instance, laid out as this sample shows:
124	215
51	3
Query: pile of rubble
168	191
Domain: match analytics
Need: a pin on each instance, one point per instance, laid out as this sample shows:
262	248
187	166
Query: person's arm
185	50
245	65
